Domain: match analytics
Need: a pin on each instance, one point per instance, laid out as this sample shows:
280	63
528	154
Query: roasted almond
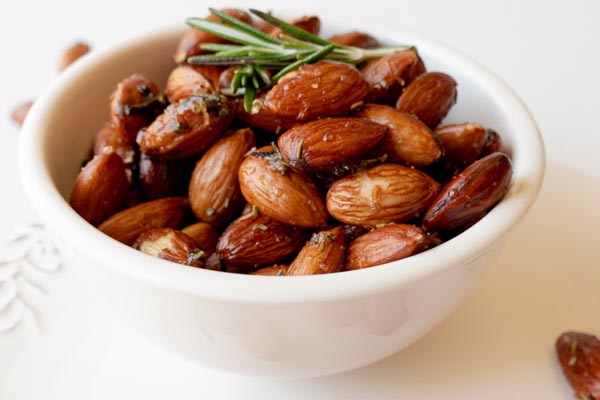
308	23
161	178
185	81
493	143
388	75
386	244
20	113
171	245
255	239
125	226
134	105
214	189
408	141
72	54
322	254
192	41
188	127
260	117
355	39
108	140
273	270
579	357
205	236
382	194
463	143
321	145
429	97
283	194
470	194
100	189
322	89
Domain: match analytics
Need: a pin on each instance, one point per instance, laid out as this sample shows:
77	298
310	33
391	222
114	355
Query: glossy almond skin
579	357
283	194
355	39
108	140
191	42
20	113
261	118
309	23
125	226
128	110
388	75
470	194
160	178
171	245
273	270
429	97
188	127
185	81
323	254
463	143
214	190
322	89
205	236
322	144
382	194
493	143
386	244
408	141
72	54
101	188
255	240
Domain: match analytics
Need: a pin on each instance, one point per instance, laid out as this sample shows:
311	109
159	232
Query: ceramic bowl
269	326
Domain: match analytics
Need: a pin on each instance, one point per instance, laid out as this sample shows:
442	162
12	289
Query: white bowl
284	326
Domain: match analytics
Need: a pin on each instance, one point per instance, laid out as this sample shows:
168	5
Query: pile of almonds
335	168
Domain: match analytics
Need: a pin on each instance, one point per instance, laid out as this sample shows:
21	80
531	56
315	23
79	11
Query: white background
499	344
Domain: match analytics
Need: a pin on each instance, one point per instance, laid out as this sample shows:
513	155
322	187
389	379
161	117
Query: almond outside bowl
269	326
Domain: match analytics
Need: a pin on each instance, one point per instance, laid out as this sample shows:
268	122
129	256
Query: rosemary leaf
244	27
249	96
316	56
289	28
227	32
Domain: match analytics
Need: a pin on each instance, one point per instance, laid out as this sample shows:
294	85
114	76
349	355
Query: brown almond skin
185	81
255	240
382	194
309	23
322	144
388	75
191	42
579	357
188	127
463	143
470	194
108	140
205	236
171	245
101	188
160	178
323	89
273	270
127	111
408	141
262	118
125	226
214	190
493	143
20	113
283	194
355	39
323	254
429	97
72	54
386	244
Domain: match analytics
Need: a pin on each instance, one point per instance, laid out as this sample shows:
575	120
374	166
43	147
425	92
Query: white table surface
498	345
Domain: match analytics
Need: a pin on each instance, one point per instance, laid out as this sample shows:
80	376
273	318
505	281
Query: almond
256	239
125	226
322	254
191	42
463	143
134	105
205	236
185	81
262	118
20	113
493	143
382	194
171	245
100	189
388	75
579	357
321	145
322	89
408	141
470	194
72	54
188	127
161	178
214	189
429	97
283	194
108	140
355	39
311	24
386	244
273	270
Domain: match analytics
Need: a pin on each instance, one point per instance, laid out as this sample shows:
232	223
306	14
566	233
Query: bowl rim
468	246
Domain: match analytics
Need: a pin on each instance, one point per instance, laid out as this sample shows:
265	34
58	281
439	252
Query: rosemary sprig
255	52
